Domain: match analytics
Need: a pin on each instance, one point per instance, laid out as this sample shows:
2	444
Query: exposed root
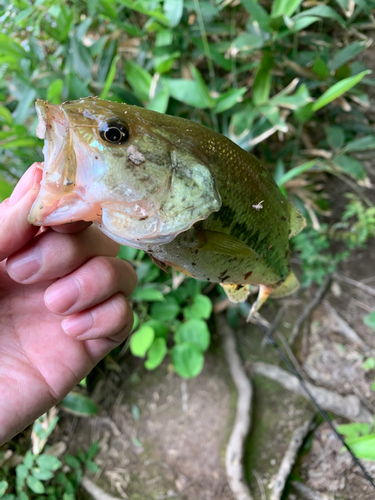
289	459
309	493
235	448
309	309
342	327
96	492
349	407
358	284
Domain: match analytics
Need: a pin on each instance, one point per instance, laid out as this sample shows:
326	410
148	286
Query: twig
346	406
96	492
309	309
343	327
235	448
260	484
289	460
308	493
358	284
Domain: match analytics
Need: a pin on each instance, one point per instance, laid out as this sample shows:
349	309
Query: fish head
106	162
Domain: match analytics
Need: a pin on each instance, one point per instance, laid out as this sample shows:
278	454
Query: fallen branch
309	309
349	407
235	448
289	460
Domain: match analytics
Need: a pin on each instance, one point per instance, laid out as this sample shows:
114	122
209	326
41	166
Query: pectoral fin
297	221
236	293
289	286
223	243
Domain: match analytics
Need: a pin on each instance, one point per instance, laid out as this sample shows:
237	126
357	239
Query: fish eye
113	132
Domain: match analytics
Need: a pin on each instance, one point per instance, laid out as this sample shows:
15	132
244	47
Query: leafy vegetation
284	80
40	473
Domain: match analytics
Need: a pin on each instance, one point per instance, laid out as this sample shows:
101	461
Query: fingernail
78	324
62	295
25	264
32	176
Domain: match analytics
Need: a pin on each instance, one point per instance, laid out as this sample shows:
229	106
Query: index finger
15	231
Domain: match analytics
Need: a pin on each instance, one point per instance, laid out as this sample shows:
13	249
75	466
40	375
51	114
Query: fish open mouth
60	167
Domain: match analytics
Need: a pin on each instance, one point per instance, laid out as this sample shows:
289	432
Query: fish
186	195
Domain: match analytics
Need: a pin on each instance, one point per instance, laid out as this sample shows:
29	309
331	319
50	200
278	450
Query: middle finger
91	284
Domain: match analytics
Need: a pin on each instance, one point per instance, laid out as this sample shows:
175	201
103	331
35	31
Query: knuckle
105	268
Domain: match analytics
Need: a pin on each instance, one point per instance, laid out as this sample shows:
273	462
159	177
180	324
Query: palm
34	351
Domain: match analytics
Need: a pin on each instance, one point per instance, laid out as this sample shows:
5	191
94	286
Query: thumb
15	231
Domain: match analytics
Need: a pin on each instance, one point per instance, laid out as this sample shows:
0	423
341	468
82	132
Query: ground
164	437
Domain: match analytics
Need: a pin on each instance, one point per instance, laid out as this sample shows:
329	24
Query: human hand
63	307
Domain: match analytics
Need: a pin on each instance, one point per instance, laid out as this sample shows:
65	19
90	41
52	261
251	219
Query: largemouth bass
186	195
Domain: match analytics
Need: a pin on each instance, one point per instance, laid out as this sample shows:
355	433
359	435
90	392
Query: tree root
96	492
349	407
235	448
309	309
289	459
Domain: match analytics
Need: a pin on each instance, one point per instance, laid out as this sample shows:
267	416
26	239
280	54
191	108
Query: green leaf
320	11
141	341
173	10
347	53
369	320
11	47
165	311
5	189
320	68
5	115
42	475
191	92
228	99
110	77
35	485
284	7
79	404
159	328
54	91
350	166
337	90
200	308
138	6
247	43
3	487
127	253
49	462
187	360
354	430
92	466
361	144
335	137
156	353
262	82
139	79
369	364
72	461
302	23
159	102
194	331
258	12
295	172
147	294
363	447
